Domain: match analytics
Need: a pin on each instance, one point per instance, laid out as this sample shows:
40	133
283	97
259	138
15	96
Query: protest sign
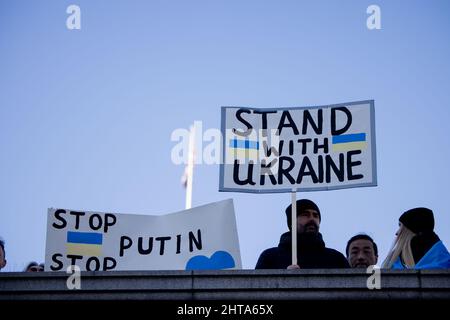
204	237
298	149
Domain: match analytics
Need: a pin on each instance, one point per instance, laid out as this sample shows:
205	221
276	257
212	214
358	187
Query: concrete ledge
317	284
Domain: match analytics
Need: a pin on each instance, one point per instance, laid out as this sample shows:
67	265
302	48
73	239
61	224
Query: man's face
2	259
308	221
361	254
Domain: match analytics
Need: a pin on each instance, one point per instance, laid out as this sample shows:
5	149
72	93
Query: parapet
313	284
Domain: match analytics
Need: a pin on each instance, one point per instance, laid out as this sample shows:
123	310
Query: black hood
421	243
305	241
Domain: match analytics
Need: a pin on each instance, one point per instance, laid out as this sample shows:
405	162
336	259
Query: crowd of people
416	245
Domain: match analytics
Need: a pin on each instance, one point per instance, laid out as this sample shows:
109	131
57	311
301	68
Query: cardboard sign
301	149
201	238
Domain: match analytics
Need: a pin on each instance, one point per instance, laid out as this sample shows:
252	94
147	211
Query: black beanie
302	204
418	220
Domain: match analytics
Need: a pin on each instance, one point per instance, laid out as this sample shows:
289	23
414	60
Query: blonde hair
401	247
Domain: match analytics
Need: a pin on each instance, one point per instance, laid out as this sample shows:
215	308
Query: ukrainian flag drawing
243	149
347	142
84	243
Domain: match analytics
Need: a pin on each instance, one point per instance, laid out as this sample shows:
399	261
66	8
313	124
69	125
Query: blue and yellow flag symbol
347	142
84	243
243	149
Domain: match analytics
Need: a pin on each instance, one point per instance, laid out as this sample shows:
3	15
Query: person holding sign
417	246
311	250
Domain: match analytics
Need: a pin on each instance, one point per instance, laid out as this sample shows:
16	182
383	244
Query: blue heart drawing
219	260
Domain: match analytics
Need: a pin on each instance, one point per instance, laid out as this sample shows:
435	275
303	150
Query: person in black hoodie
311	250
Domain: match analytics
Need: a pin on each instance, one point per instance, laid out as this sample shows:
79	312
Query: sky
86	116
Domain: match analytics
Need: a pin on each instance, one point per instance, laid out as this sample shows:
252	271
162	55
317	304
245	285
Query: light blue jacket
437	257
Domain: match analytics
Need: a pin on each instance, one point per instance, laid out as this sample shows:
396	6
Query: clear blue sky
86	115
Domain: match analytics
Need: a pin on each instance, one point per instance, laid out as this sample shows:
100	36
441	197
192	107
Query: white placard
302	149
201	238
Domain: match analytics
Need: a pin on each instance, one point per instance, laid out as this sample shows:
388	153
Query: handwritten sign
204	237
303	149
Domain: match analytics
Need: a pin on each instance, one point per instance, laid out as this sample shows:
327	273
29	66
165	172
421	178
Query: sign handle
294	226
190	167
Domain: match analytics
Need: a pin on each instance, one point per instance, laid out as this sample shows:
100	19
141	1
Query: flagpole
190	167
294	226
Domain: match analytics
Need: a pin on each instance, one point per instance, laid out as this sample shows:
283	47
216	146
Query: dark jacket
311	253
